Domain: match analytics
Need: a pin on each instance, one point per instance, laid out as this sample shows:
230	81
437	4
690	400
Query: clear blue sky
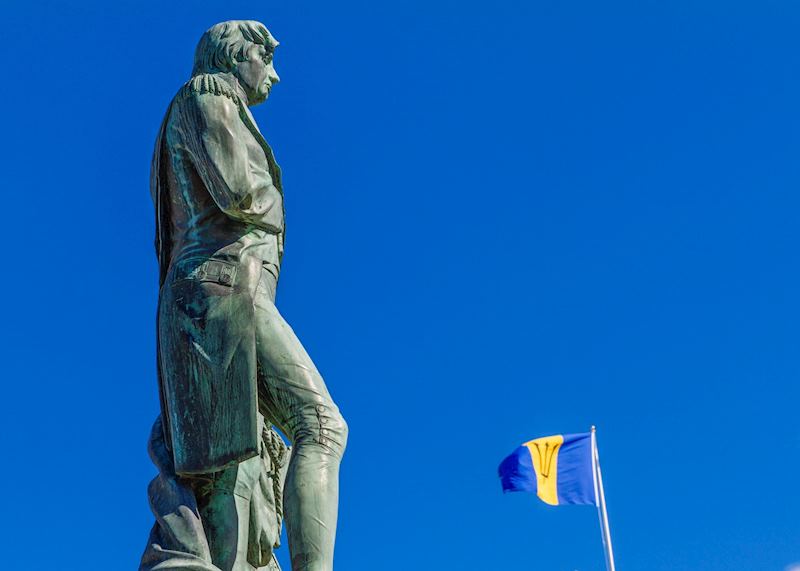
506	219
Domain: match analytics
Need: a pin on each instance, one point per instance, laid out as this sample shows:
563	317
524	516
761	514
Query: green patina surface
230	367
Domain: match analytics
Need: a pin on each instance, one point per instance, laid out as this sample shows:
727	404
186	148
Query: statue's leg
217	506
294	397
223	500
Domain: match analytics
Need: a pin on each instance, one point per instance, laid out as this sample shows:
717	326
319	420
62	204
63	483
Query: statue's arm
243	190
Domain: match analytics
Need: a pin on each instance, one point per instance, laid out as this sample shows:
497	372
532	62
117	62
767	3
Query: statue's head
243	48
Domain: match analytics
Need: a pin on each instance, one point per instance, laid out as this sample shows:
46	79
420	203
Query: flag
560	469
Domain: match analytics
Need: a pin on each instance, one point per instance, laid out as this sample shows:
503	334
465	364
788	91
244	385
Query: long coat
219	219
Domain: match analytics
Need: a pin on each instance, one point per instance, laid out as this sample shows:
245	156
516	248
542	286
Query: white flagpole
599	493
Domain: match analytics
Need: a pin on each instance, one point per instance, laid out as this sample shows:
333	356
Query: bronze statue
229	365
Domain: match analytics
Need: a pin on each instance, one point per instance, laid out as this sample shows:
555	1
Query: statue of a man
226	356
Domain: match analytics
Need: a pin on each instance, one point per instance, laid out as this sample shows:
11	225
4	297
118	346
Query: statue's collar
233	83
219	84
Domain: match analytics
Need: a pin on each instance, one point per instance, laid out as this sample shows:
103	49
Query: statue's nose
273	76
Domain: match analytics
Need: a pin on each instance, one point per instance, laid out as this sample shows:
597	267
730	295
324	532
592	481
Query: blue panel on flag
575	478
516	472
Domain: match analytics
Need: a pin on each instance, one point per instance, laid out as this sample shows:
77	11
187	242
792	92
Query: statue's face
256	73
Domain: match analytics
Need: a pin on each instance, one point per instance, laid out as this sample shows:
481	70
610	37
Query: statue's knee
332	429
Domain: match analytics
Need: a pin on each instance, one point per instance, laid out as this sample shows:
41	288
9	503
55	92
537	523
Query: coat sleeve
243	189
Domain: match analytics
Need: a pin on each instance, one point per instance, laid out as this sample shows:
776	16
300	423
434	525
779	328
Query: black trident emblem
546	452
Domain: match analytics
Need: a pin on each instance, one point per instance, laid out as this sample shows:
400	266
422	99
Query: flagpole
601	504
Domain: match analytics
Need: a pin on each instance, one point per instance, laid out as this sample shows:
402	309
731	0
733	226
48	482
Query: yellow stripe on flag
544	453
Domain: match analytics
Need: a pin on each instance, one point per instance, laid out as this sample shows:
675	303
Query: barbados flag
560	469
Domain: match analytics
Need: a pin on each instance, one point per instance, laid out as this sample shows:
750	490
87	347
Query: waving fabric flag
560	469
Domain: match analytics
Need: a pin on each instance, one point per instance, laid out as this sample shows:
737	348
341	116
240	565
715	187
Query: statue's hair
223	44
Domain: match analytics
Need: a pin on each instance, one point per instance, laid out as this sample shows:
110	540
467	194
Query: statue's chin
258	99
261	96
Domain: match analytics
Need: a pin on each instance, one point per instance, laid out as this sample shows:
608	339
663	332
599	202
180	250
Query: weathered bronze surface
229	365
